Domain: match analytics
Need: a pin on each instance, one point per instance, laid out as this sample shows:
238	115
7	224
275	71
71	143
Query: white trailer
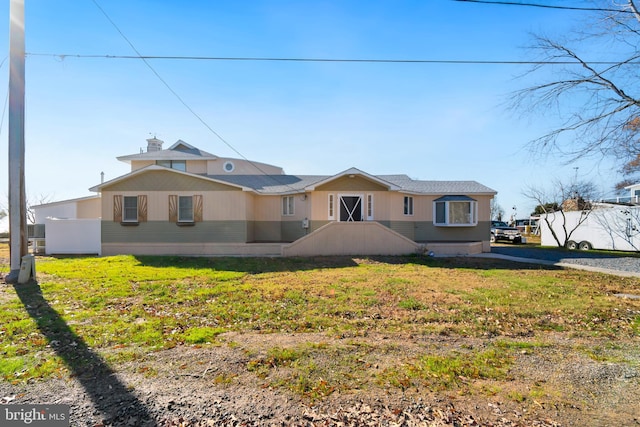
606	226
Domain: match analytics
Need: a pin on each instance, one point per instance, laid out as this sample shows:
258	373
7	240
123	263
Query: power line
546	6
179	98
145	58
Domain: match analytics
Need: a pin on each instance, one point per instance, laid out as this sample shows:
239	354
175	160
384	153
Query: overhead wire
347	60
546	6
180	99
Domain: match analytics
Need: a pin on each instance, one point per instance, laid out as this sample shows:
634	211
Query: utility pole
17	199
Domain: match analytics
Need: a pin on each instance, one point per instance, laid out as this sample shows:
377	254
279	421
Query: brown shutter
173	208
117	208
197	208
142	208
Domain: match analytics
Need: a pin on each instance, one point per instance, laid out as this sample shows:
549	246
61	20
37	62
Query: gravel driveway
622	264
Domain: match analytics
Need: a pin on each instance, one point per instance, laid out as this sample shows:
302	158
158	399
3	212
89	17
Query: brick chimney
154	144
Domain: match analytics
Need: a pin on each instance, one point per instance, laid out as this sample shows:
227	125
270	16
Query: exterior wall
352	238
197	166
167	180
194	249
89	208
345	183
428	232
388	210
484	208
75	208
139	164
241	167
169	233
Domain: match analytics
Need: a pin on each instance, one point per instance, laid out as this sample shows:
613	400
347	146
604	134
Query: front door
350	208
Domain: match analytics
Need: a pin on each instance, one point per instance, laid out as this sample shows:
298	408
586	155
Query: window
408	205
331	207
180	165
130	209
369	206
455	211
185	209
228	166
287	205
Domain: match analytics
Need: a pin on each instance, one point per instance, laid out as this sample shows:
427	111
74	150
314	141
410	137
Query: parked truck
605	226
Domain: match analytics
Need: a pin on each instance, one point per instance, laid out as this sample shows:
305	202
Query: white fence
72	236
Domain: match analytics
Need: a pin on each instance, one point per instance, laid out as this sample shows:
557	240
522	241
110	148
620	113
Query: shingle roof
279	184
178	151
271	184
437	187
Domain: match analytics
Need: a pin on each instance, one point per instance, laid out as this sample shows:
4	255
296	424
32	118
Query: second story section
187	158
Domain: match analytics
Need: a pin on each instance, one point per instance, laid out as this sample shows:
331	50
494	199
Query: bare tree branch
591	102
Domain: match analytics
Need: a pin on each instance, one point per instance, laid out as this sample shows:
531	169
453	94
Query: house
185	201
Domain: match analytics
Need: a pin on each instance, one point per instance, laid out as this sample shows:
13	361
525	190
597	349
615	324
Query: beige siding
361	238
267	208
218	205
197	166
356	184
87	209
241	167
159	180
484	207
139	164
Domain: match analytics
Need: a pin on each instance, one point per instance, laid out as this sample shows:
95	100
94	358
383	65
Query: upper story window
287	205
180	165
455	211
228	167
408	205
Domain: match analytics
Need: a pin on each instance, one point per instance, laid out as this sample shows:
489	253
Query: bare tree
35	201
562	198
596	97
497	212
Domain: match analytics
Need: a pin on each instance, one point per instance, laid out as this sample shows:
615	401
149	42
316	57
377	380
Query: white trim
331	207
369	215
409	211
228	163
288	209
474	213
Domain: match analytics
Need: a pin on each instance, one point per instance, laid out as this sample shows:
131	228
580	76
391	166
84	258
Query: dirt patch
549	385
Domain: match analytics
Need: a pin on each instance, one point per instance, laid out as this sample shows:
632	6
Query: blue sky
429	121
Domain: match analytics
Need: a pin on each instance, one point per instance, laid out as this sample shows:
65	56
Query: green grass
441	372
124	306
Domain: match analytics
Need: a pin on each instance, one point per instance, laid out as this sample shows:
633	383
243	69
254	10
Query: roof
178	151
64	202
282	184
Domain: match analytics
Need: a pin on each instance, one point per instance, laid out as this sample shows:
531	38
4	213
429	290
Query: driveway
586	260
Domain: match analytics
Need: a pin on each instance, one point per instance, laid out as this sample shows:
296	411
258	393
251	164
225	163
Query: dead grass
476	328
